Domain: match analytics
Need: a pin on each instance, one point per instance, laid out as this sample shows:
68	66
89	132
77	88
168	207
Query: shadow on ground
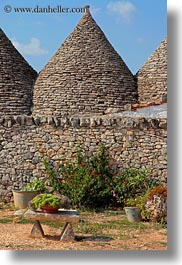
82	238
94	238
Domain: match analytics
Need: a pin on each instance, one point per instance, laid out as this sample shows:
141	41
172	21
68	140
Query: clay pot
49	209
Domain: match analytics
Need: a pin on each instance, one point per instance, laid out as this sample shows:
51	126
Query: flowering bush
86	180
90	181
131	182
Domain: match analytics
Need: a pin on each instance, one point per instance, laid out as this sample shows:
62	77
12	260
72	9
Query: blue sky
135	27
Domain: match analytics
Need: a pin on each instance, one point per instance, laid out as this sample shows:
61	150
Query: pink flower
114	194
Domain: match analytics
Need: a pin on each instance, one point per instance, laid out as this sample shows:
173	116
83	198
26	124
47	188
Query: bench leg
37	230
67	233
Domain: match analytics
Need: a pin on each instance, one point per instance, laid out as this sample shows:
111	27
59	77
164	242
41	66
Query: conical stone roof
86	75
16	80
152	77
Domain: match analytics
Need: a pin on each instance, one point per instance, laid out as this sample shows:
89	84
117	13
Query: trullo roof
16	80
86	75
152	77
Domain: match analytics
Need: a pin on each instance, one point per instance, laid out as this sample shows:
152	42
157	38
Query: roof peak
86	15
87	9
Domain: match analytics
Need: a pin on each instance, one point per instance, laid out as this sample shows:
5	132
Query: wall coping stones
83	122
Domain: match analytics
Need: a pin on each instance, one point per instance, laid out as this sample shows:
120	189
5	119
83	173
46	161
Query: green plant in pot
36	185
137	204
135	207
47	202
133	213
27	193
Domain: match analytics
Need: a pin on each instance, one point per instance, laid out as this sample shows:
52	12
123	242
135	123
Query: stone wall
152	77
131	141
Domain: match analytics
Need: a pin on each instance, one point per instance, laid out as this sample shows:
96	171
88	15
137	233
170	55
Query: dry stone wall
131	141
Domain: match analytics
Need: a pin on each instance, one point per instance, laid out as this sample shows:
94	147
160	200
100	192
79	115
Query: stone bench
66	216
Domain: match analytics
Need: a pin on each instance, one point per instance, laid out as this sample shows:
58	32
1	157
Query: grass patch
114	213
22	220
125	224
90	228
7	206
163	243
157	225
87	214
115	228
5	221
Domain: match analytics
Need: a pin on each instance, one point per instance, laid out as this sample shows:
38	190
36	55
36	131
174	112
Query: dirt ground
16	236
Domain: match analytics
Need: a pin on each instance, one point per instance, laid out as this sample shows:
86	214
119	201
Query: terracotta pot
49	209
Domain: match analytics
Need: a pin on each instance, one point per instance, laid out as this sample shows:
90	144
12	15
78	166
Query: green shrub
131	182
90	181
86	180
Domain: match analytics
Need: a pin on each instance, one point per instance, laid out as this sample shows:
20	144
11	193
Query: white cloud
140	40
40	23
32	48
94	10
124	8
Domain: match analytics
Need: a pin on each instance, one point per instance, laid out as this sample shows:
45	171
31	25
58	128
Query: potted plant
133	213
47	202
135	208
27	193
36	185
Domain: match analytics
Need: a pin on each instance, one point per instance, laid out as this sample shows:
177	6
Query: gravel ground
16	236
